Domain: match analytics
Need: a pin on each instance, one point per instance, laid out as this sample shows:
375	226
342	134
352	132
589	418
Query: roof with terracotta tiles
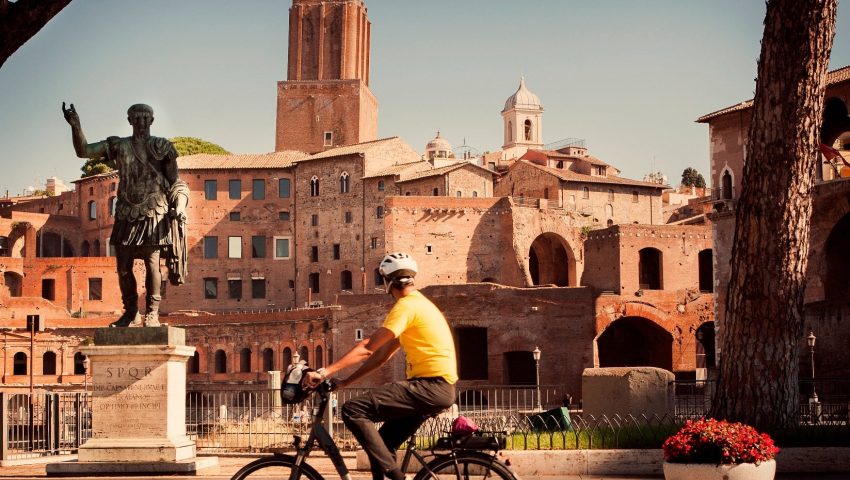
440	171
207	161
351	149
570	176
401	169
832	78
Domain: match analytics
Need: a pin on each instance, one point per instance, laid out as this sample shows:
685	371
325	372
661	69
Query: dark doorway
549	262
19	365
837	258
48	363
245	360
520	368
635	342
705	353
471	347
195	363
268	360
287	358
220	361
706	272
650	270
79	364
14	282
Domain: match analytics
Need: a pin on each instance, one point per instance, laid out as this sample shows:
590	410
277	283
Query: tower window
528	130
343	182
314	186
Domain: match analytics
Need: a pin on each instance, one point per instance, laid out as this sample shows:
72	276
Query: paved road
230	464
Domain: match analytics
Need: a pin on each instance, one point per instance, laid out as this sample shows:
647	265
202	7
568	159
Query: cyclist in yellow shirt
419	328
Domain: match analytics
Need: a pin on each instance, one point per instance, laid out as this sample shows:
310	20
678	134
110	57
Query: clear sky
628	77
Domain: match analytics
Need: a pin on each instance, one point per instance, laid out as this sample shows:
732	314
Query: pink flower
719	442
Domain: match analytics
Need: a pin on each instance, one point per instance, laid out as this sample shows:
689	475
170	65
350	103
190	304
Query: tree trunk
764	312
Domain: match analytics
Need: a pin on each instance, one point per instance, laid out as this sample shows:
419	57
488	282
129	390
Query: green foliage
192	146
94	167
692	178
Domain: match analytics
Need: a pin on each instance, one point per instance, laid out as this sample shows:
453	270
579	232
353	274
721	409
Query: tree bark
20	20
764	311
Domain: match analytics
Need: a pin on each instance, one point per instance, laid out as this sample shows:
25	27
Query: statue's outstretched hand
71	115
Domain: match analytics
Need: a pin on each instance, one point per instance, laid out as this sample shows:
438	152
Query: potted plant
715	449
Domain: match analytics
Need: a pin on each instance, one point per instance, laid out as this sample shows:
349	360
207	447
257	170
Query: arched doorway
837	260
550	261
705	353
635	342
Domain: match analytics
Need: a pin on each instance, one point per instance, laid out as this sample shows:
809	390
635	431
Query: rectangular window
259	189
210	247
283	216
635	197
314	254
283	188
336	251
234	288
281	247
234	247
313	282
258	247
358	334
95	289
374	243
314	220
235	216
379	212
348	217
258	288
210	189
429	249
380	185
235	189
472	358
48	288
113	186
210	288
329	139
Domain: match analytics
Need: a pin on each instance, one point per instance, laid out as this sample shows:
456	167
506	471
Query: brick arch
529	224
831	204
632	309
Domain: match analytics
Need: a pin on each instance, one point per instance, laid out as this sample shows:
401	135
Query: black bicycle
467	458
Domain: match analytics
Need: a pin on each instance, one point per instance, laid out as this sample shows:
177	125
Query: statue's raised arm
81	147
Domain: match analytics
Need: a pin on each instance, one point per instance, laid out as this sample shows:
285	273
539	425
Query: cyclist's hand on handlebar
311	380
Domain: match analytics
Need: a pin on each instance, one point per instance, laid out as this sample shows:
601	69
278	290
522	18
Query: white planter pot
708	471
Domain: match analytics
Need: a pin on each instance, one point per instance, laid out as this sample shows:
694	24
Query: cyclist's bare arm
362	352
374	361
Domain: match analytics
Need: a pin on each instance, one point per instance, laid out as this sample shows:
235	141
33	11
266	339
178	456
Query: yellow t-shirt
425	337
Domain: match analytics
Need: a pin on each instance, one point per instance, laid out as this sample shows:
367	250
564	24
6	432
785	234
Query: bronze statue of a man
150	212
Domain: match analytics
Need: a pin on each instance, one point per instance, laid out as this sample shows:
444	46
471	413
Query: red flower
719	442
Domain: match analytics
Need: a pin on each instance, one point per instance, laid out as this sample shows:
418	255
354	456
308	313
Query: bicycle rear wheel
278	467
465	466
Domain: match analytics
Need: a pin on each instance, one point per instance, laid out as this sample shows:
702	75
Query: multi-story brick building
827	292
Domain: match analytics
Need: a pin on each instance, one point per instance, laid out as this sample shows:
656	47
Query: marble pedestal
138	405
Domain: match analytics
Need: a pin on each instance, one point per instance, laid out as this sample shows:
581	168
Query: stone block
627	391
140	336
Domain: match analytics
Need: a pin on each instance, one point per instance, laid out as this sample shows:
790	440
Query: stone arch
836	259
528	130
705	346
551	261
14	281
835	120
48	363
635	341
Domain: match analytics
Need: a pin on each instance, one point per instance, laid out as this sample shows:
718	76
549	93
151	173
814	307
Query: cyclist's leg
416	398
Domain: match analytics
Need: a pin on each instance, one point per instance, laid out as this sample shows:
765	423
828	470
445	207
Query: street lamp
536	354
813	401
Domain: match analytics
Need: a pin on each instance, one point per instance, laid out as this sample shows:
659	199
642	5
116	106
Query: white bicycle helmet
398	268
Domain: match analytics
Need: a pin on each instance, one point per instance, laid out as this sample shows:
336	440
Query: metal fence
525	417
43	424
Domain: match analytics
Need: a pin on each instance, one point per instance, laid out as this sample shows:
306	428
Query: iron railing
526	417
43	424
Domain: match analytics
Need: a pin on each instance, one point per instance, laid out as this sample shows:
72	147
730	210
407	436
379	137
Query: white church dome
523	98
438	144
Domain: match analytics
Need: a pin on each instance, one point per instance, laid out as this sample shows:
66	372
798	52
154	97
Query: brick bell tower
325	101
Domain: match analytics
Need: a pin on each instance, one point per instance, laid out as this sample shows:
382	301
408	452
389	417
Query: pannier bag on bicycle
291	391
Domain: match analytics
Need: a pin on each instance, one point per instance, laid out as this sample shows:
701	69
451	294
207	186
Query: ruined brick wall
66	203
454	240
602	260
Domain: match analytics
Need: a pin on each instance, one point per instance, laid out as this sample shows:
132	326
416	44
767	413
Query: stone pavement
230	464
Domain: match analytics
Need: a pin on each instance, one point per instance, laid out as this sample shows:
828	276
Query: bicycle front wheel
277	467
465	466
